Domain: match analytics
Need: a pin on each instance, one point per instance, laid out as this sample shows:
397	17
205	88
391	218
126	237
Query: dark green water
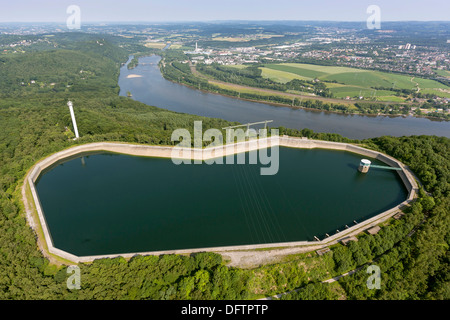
119	203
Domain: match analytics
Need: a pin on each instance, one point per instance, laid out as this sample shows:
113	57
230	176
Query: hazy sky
206	10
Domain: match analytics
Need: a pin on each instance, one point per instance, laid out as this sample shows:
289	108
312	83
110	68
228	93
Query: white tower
72	114
196	47
364	165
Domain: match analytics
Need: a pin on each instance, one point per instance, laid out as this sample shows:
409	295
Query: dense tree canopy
34	122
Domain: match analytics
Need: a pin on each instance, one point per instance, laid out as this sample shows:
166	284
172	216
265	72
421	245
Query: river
147	85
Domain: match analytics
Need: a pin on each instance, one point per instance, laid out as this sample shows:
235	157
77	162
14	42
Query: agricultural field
280	76
443	73
352	82
239	66
155	45
178	46
240	89
342	91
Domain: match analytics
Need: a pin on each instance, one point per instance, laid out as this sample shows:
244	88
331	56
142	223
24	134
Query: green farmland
443	73
352	82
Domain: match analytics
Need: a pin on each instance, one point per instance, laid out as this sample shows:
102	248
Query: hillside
35	122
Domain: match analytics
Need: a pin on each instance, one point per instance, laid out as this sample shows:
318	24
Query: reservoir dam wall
205	154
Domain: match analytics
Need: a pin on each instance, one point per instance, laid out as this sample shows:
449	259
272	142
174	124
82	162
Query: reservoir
147	85
108	203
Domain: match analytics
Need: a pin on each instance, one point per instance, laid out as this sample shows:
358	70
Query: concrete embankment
238	253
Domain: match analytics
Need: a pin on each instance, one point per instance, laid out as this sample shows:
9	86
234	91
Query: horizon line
216	20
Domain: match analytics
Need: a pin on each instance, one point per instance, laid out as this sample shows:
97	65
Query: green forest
412	252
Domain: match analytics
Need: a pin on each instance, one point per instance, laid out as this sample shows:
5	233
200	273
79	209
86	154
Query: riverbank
290	106
155	90
262	95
